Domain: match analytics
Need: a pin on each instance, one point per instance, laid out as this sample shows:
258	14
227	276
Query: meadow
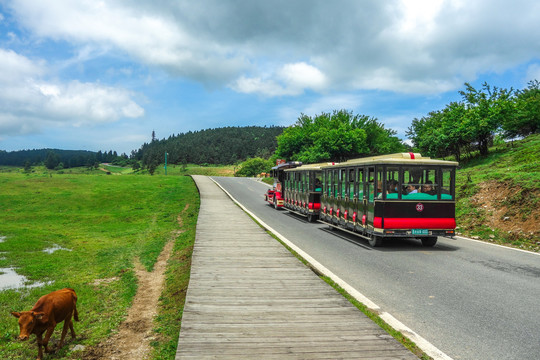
83	229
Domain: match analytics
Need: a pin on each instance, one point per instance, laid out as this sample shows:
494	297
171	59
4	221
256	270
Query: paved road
471	300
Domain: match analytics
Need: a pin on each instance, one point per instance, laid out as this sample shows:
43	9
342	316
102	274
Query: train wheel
275	204
311	218
429	241
375	240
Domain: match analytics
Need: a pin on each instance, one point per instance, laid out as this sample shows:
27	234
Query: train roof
287	165
399	158
308	167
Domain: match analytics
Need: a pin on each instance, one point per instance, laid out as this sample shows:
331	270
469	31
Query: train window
343	182
360	183
371	184
317	186
446	184
420	183
335	183
351	181
329	180
392	190
379	183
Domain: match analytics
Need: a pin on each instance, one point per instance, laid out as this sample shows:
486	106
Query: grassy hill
498	195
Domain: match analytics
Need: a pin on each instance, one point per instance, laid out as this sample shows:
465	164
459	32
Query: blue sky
102	75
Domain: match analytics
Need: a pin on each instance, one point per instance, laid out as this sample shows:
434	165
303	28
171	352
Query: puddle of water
54	248
9	279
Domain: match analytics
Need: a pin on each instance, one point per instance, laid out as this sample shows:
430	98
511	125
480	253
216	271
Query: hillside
222	146
498	195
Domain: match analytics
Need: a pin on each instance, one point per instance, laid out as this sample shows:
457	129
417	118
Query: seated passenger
392	187
318	185
427	188
411	189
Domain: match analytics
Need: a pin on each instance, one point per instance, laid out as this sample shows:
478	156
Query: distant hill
222	146
68	158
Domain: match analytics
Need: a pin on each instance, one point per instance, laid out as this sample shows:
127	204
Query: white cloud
290	79
150	36
421	46
28	103
289	114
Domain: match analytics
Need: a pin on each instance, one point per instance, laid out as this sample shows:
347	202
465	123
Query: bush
253	167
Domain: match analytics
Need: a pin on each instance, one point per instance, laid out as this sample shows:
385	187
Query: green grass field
102	223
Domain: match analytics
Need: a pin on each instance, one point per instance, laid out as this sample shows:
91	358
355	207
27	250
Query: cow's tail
75	312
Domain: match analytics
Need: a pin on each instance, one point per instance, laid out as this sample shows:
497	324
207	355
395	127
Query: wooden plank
249	298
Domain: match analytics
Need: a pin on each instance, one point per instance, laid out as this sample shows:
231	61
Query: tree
442	133
52	160
526	119
337	136
486	112
27	166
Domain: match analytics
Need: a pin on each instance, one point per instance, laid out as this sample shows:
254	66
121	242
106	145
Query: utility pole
165	163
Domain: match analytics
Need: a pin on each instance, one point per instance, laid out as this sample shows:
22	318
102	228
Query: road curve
469	299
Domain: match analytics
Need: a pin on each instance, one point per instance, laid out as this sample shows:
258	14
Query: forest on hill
223	146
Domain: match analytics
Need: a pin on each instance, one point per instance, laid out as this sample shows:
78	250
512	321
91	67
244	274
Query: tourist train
402	195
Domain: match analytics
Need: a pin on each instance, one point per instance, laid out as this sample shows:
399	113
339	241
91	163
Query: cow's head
27	321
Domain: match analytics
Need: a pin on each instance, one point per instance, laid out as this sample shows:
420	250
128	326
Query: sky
102	75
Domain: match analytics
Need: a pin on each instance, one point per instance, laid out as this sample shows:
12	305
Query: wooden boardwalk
250	298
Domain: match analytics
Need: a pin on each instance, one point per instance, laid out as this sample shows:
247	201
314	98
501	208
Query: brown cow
49	310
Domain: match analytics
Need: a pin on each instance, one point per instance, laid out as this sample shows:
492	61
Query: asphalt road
469	299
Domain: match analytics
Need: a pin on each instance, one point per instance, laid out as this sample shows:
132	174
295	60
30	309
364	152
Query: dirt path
134	334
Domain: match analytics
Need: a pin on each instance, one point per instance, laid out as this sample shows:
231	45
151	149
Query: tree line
58	159
473	123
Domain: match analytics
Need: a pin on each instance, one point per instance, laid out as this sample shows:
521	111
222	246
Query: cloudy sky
102	75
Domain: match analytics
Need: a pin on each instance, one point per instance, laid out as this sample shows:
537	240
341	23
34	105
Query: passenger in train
318	185
411	189
392	187
427	188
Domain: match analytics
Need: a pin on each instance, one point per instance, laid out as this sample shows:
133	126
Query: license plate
420	232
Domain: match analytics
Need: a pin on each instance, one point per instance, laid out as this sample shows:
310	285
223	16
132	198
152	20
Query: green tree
52	160
27	166
442	133
338	136
526	119
253	167
486	112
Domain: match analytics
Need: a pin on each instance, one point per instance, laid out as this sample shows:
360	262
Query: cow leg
72	330
67	322
39	343
48	335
